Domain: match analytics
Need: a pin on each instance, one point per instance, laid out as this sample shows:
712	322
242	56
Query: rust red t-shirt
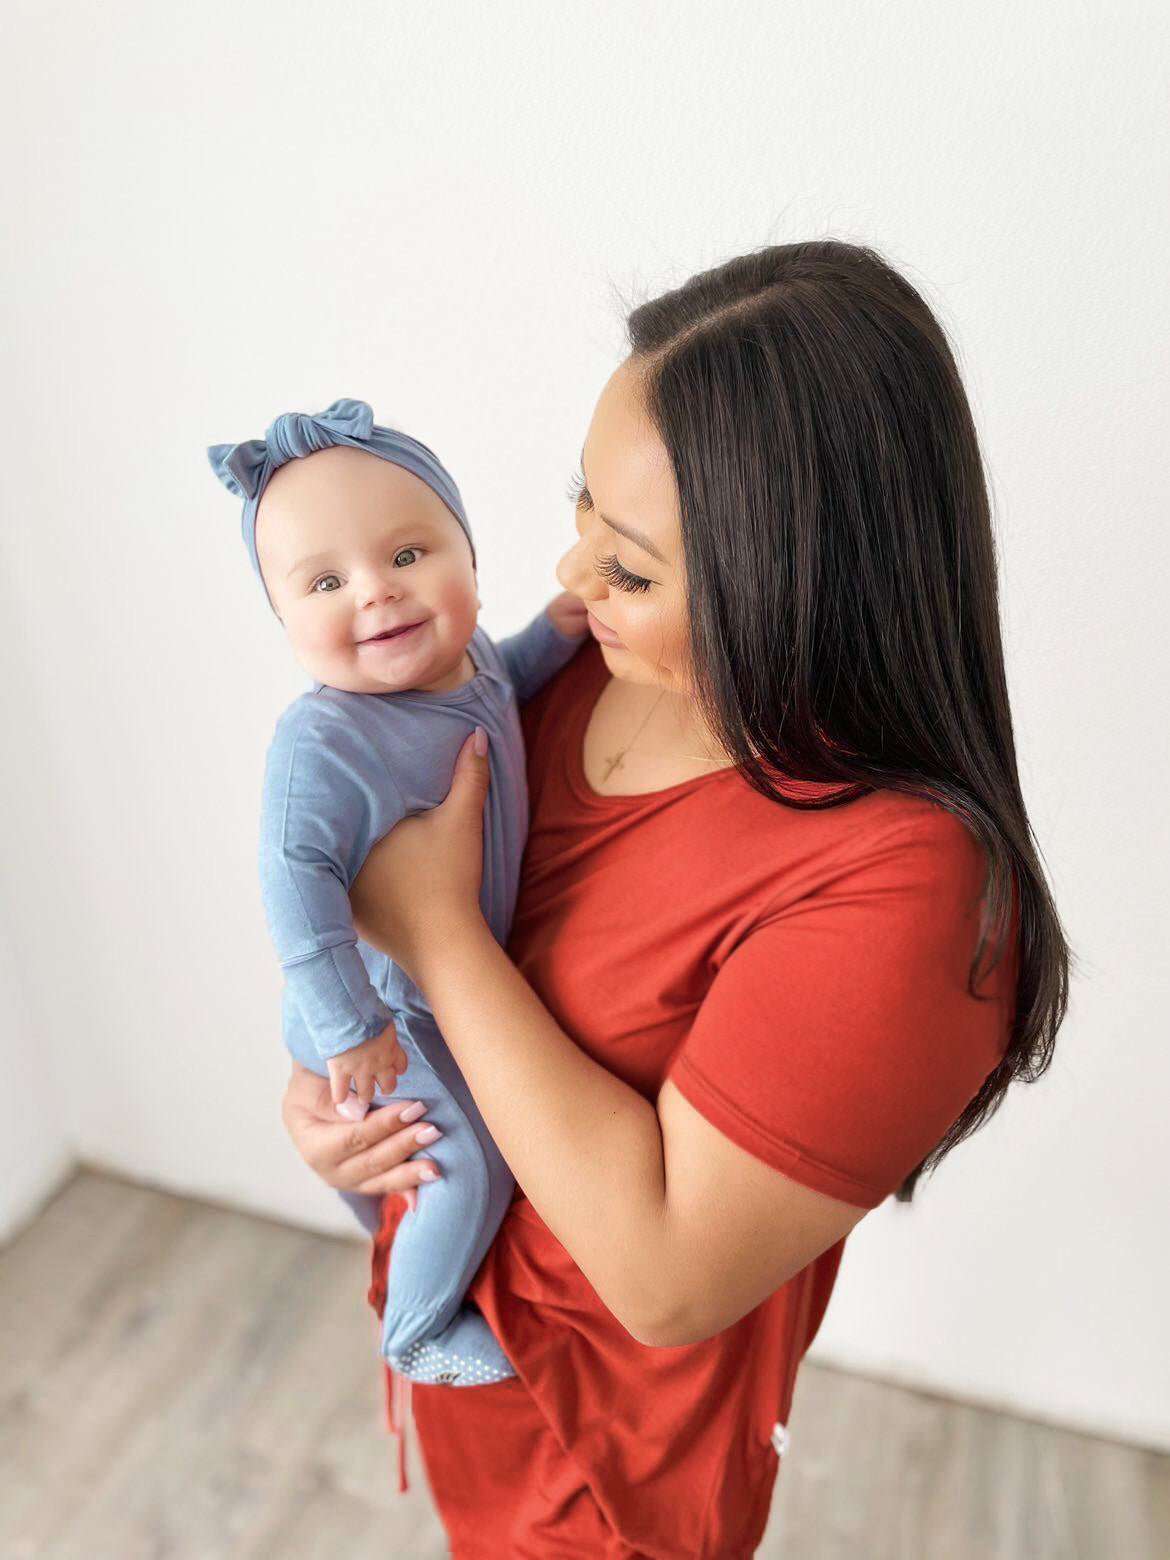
801	976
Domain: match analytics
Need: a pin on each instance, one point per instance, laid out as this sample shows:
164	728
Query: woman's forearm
584	1146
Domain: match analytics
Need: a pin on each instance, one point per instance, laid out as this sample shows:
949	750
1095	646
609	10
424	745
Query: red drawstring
397	1387
398	1413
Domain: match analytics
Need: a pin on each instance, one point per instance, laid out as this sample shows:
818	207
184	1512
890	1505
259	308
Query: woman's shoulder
919	834
877	820
884	847
919	819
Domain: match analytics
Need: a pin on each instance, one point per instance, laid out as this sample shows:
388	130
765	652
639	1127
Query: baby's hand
374	1063
566	612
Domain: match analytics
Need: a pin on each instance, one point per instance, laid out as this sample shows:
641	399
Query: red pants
502	1484
500	1479
506	1489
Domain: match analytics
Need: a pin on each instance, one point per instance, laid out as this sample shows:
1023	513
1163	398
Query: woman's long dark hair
841	573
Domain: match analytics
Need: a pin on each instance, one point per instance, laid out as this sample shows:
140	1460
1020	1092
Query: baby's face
351	545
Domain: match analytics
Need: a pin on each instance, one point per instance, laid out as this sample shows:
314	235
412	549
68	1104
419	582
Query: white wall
34	1138
232	210
35	1128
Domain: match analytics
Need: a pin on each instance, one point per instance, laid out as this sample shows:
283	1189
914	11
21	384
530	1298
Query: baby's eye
402	550
321	580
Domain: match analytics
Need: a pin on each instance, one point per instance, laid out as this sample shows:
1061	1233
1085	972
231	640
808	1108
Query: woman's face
627	564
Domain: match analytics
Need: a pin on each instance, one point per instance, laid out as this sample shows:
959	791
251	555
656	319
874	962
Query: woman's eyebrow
630	532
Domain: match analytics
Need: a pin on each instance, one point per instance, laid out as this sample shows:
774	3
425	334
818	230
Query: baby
337	507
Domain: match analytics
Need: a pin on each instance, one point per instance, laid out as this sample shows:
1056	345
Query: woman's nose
576	573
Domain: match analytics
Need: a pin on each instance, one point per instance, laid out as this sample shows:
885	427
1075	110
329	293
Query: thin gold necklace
616	761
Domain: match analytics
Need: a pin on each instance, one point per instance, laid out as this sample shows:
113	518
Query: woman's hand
422	878
363	1156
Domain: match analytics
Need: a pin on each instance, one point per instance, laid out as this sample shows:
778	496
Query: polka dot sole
424	1362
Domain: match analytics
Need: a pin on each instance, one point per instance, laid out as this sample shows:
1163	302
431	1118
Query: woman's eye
610	569
578	493
321	580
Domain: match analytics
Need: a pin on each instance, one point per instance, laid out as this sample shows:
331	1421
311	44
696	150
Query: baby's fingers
390	1066
346	1104
339	1076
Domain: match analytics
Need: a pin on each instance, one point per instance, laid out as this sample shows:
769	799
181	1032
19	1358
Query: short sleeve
838	1040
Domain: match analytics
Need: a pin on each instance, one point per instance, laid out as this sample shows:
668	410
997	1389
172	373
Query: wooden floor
179	1380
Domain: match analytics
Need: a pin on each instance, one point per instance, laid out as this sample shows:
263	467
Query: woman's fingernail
480	741
428	1173
413	1111
427	1134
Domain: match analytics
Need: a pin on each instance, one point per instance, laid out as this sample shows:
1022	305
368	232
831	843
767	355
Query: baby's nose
379	590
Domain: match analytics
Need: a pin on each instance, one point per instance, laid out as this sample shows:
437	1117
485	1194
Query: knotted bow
240	467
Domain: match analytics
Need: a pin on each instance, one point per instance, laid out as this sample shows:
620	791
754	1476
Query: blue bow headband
246	469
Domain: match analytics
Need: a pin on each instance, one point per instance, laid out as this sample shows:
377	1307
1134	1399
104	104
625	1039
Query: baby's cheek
460	608
322	635
322	649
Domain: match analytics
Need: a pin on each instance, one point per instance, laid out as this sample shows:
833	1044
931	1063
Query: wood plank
179	1380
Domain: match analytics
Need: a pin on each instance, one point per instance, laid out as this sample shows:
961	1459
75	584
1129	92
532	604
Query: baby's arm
538	651
327	797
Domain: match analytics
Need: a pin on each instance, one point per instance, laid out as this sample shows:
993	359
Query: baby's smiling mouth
391	633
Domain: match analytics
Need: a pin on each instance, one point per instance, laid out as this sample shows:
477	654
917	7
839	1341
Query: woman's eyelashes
321	578
610	569
579	493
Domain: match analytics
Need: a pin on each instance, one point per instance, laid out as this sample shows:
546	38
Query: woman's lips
392	639
605	636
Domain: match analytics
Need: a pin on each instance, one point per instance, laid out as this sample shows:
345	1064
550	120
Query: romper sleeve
327	797
838	1041
536	653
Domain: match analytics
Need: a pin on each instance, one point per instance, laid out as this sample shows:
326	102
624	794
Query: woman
783	937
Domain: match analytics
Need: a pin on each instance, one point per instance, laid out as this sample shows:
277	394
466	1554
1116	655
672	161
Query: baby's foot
464	1354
